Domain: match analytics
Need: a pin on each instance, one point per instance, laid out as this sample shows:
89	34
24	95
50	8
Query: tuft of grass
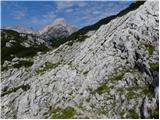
117	77
154	67
132	114
150	49
154	114
60	113
148	90
104	87
122	114
11	90
130	94
46	66
121	90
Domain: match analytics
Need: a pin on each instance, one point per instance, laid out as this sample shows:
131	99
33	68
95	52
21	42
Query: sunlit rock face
113	73
58	29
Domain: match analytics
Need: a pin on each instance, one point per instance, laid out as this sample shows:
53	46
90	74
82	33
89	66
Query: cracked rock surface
113	73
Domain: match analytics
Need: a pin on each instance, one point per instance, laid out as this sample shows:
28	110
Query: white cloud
68	4
64	4
19	14
44	19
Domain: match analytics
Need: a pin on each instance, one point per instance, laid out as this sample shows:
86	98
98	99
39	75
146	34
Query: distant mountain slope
14	44
21	29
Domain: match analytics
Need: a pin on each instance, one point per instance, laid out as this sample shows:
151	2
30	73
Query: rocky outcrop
113	73
56	30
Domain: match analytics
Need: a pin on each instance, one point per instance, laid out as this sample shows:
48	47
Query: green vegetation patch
104	85
154	113
11	90
60	113
154	67
132	114
148	90
102	88
131	94
16	49
46	66
24	63
117	77
150	49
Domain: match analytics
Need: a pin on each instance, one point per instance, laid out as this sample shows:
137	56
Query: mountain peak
58	29
59	21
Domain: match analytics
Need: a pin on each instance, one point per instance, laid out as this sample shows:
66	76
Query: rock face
21	29
58	29
111	74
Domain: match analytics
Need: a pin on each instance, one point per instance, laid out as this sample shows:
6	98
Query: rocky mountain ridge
111	73
58	29
21	29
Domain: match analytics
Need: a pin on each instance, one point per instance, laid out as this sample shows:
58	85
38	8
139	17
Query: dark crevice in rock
155	82
142	68
11	90
141	108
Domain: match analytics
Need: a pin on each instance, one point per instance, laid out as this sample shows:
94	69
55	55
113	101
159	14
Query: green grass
121	90
154	114
154	67
116	77
60	113
130	94
11	90
122	114
104	85
132	114
46	66
102	88
150	49
148	90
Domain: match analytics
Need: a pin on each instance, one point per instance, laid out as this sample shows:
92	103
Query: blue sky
37	14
